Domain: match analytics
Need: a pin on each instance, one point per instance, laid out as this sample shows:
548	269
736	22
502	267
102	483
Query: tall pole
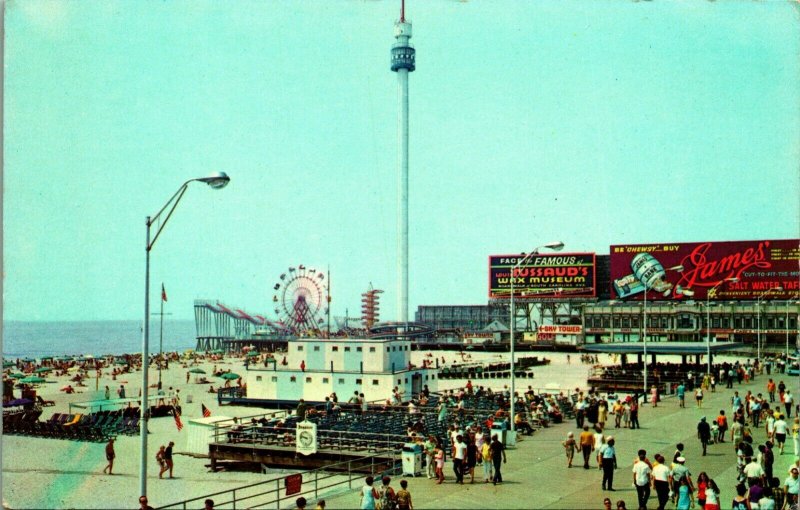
644	338
708	332
161	342
216	181
402	62
511	349
786	325
329	302
145	365
758	331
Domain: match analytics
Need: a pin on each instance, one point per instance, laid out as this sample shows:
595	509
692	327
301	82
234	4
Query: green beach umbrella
230	375
252	354
17	376
197	371
7	364
42	370
120	362
32	380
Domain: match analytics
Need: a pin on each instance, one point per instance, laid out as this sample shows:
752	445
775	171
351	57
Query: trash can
412	459
500	430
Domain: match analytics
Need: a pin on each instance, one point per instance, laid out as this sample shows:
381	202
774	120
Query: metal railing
317	482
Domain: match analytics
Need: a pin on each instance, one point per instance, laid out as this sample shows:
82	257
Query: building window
372	349
335	348
274	378
341	380
308	379
359	381
406	380
388	349
316	348
258	378
325	380
359	349
399	381
375	382
347	349
300	348
293	379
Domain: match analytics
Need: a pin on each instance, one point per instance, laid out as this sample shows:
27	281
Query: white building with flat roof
314	368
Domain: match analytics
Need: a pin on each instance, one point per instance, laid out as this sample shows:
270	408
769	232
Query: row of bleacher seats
382	427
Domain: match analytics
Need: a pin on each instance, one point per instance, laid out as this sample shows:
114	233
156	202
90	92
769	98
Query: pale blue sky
593	123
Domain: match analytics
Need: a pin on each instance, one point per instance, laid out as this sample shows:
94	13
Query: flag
163	293
178	422
206	412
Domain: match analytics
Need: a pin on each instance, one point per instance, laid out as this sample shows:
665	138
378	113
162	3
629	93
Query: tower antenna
402	11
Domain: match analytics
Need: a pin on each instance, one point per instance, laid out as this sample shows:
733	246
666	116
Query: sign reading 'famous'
727	270
543	276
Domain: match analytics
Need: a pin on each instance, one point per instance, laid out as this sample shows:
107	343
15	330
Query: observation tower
402	64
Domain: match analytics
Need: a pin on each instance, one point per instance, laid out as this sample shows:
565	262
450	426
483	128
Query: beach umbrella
120	362
46	357
252	354
42	370
7	364
217	351
17	376
32	380
197	371
230	375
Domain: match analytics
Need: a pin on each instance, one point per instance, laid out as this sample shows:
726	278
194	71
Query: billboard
568	275
726	270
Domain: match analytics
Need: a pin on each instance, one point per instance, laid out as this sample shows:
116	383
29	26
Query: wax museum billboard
726	270
568	275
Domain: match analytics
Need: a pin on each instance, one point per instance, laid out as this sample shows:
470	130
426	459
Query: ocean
36	339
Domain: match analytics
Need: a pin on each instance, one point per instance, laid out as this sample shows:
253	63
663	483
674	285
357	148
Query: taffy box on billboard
725	270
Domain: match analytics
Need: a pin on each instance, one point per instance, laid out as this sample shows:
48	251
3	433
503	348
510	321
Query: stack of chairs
97	427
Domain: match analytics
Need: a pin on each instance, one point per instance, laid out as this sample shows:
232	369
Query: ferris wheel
301	298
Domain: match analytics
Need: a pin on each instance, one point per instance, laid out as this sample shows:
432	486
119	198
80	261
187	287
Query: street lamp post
758	305
611	313
555	246
708	320
644	328
644	342
216	181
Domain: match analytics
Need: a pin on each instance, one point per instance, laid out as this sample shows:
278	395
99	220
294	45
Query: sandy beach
52	473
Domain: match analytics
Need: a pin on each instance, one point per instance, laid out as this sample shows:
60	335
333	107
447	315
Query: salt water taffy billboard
568	275
728	270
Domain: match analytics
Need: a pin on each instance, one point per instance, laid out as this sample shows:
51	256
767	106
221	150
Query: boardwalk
536	475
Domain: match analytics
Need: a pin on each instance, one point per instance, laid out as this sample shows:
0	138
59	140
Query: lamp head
555	246
216	180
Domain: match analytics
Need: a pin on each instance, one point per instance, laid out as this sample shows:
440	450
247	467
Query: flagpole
161	335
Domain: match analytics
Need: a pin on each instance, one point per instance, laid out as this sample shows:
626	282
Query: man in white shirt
459	458
753	471
641	478
661	480
781	429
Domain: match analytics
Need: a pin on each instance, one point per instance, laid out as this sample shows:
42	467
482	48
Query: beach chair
44	403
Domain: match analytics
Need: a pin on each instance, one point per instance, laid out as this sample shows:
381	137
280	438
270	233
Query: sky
591	123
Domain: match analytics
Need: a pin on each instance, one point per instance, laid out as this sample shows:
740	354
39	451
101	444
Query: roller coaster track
399	329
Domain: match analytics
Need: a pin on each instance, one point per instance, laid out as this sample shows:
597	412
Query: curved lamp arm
215	181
